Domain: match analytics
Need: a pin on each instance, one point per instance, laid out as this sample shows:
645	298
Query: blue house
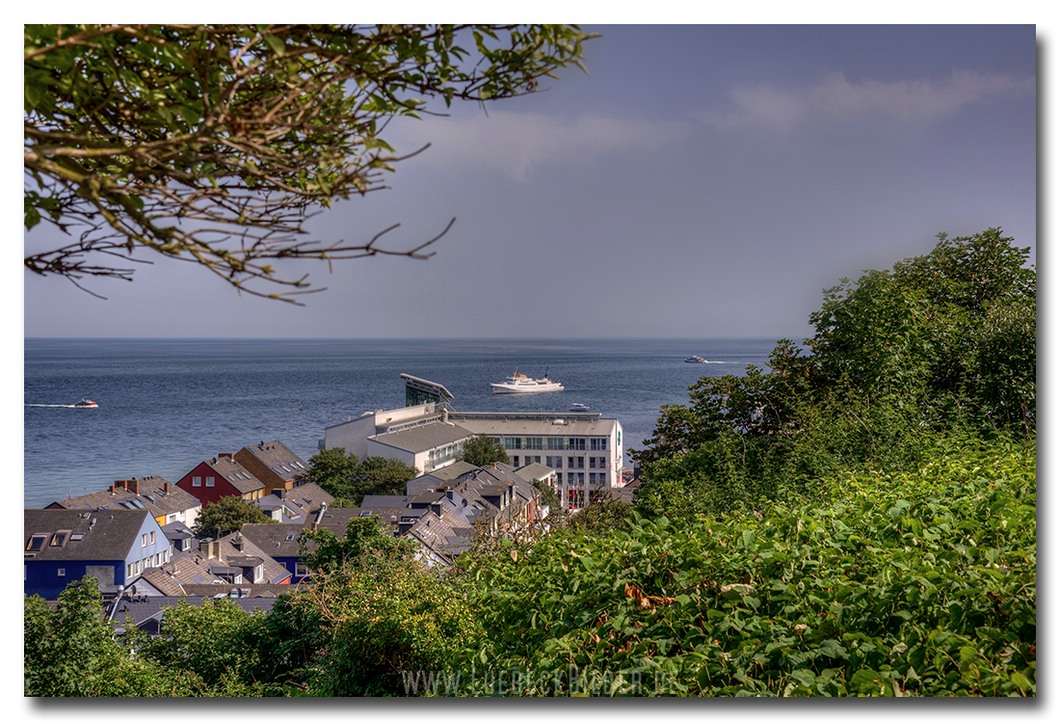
114	546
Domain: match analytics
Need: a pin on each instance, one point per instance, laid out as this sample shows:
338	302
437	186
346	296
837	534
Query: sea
165	405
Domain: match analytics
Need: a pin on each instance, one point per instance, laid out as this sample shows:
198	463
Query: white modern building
584	449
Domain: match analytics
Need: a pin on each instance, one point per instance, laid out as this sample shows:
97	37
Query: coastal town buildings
221	476
113	546
274	464
584	449
167	502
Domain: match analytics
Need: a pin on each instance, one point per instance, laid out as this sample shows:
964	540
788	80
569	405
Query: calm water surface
165	405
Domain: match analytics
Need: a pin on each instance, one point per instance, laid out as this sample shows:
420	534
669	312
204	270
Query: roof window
36	542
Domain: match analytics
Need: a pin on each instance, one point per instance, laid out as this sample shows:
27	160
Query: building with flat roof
583	449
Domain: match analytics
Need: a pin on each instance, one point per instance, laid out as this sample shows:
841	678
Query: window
576	444
597	444
129	571
152	536
60	538
533	444
513	443
196	481
300	569
209	481
143	541
556	444
60	572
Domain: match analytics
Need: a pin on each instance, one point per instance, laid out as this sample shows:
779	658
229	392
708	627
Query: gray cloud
515	143
837	99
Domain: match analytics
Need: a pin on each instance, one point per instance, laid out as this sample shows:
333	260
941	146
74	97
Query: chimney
320	515
112	490
437	508
237	541
165	487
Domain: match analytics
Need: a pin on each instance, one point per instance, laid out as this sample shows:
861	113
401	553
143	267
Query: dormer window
60	538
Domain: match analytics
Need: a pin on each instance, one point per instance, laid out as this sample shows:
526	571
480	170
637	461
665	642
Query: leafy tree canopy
350	479
939	342
227	515
71	650
214	143
483	450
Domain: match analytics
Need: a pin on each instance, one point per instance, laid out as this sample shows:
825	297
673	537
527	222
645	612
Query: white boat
579	407
85	403
519	383
696	359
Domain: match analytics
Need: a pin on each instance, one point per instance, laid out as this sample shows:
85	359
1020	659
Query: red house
219	477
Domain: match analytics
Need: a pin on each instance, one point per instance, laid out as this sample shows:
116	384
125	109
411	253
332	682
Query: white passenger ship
519	383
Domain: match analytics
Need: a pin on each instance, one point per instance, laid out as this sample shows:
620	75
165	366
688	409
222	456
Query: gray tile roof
370	501
276	539
233	472
423	438
165	583
307	497
275	458
527	424
152	495
535	472
147	611
95	535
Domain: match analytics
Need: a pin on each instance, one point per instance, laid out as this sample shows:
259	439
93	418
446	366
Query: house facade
114	546
221	476
274	464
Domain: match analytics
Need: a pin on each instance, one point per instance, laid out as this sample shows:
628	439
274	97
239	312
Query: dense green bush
918	583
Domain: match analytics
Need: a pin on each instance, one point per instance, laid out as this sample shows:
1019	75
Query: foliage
940	342
382	615
214	641
366	541
71	651
483	450
227	515
214	143
915	583
549	497
602	514
349	478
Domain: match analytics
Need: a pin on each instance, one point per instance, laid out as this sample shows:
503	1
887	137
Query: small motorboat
85	403
696	359
579	407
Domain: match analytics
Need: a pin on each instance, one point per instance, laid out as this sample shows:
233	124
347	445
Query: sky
699	181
